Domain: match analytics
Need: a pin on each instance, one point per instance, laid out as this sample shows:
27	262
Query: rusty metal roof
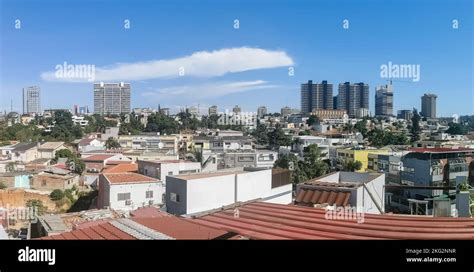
260	220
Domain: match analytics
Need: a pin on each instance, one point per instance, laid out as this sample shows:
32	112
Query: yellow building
362	155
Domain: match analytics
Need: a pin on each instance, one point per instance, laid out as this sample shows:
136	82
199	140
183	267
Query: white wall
365	202
137	193
209	193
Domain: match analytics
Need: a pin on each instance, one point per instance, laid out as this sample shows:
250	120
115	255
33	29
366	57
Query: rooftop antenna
11	105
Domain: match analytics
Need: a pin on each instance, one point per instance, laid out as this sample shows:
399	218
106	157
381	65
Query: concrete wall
137	195
365	202
207	193
179	187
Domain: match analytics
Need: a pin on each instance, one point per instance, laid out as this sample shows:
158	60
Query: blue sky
246	66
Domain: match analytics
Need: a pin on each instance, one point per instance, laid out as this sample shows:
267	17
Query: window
170	173
246	158
43	182
123	196
174	197
149	194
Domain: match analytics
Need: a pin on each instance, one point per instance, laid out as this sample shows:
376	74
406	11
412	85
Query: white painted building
129	191
365	191
161	169
189	194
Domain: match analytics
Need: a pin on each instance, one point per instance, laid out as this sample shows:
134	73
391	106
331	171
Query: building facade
352	97
384	101
31	100
316	96
428	105
112	98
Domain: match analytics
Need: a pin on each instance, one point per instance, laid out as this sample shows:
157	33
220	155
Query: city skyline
244	65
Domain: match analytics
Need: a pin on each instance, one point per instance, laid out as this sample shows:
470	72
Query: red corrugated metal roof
275	221
439	149
309	196
98	158
167	224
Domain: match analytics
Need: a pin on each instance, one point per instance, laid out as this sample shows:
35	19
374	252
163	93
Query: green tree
313	119
278	138
456	129
36	205
56	195
111	143
415	126
261	135
314	166
3	186
361	127
352	166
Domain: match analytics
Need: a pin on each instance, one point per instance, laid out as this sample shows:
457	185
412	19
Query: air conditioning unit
128	202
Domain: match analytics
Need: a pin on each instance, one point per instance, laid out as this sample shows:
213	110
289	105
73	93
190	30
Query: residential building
405	114
316	96
236	109
247	158
90	144
160	169
191	194
428	105
128	191
435	167
323	114
212	110
95	163
345	155
31	100
285	111
48	150
80	121
112	98
352	97
110	132
194	111
24	152
261	111
165	111
363	191
54	178
384	100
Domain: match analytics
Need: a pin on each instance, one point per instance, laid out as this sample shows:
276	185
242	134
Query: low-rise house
345	155
364	191
250	158
128	191
195	193
95	163
162	168
54	178
48	150
25	152
90	144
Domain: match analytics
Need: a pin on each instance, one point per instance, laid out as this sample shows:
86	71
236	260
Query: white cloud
210	90
199	64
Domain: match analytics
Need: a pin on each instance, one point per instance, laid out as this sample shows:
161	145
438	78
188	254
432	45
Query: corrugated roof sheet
317	196
165	226
260	220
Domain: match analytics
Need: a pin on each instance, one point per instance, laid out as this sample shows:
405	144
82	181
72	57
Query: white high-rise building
31	100
112	98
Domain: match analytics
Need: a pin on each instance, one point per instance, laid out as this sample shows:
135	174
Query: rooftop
440	150
259	220
98	157
121	168
143	228
23	146
120	178
209	175
50	145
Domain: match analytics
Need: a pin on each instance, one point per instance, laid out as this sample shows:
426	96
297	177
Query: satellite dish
160	145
